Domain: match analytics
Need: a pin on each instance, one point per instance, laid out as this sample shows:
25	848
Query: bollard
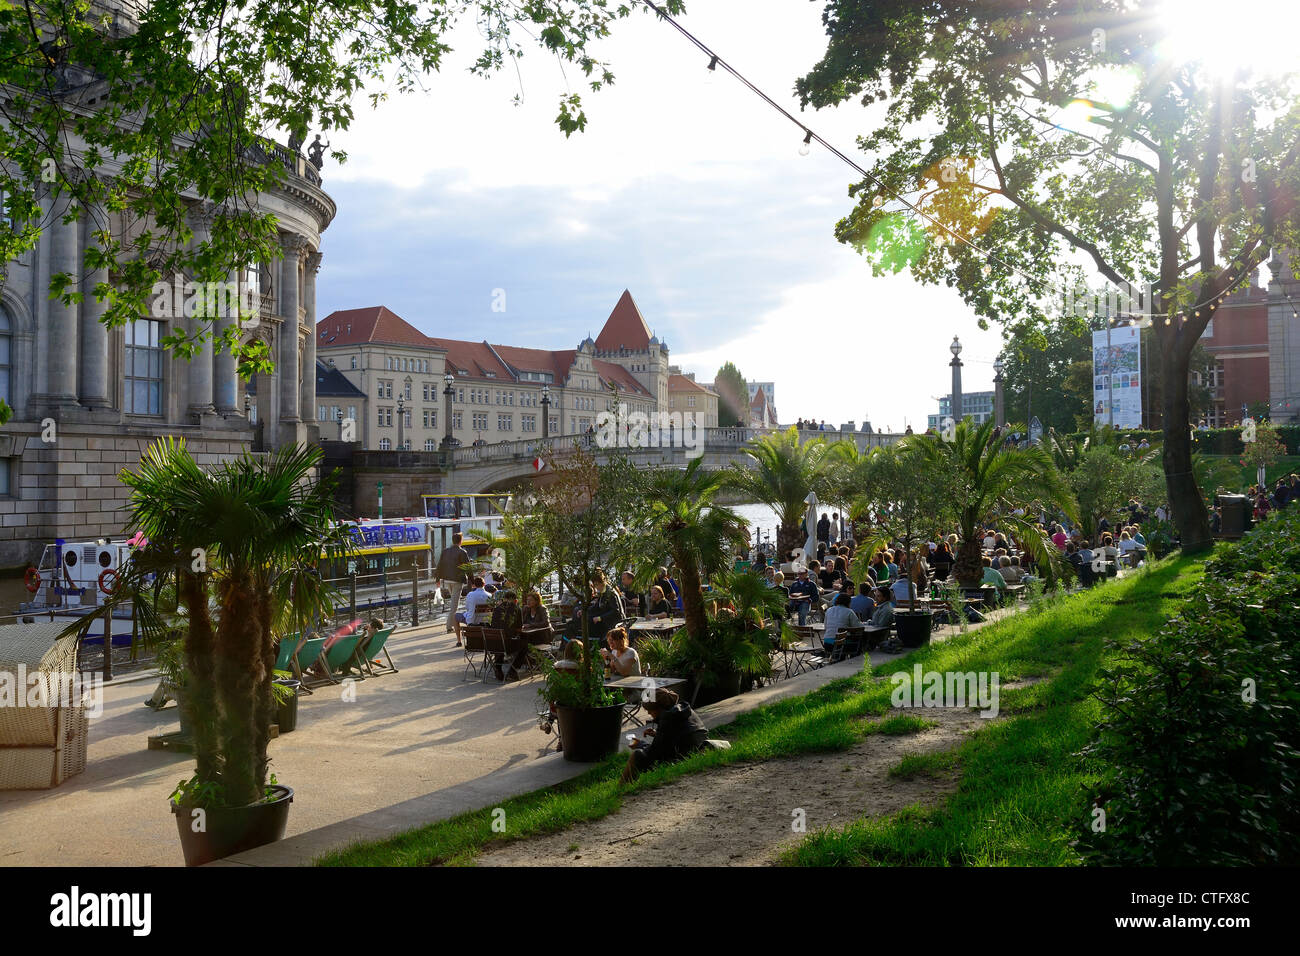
415	597
354	595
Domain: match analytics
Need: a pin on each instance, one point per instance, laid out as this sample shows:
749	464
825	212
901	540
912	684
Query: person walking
451	574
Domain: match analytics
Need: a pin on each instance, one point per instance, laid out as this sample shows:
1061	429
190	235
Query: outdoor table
640	682
659	625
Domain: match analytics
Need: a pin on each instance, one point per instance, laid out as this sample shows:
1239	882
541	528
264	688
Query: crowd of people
1263	500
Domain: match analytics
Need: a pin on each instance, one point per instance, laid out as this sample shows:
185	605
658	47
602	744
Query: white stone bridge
500	465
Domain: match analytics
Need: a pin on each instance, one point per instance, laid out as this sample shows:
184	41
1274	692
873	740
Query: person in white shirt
1126	547
990	542
473	601
835	529
839	615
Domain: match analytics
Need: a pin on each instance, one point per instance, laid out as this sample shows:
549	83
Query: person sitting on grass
678	732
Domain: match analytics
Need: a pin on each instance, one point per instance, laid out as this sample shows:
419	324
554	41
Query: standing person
824	529
605	610
835	529
632	600
451	574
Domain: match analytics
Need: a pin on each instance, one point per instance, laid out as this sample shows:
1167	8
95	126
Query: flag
538	464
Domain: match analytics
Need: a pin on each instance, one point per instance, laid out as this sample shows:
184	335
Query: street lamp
546	412
401	407
447	393
957	409
999	415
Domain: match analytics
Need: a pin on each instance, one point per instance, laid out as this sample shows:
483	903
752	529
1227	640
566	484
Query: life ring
33	580
109	587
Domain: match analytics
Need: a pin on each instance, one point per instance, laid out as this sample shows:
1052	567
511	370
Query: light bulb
877	201
806	147
987	269
713	71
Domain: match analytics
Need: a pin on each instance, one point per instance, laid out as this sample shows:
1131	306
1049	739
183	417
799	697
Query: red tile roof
624	328
371	324
680	383
609	372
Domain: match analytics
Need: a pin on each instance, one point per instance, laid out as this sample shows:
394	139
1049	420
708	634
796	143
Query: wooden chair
475	650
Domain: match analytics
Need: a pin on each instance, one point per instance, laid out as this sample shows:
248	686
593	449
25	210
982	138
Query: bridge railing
713	440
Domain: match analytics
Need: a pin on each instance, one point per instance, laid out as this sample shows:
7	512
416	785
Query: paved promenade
414	747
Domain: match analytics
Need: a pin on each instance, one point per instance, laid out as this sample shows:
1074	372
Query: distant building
691	399
977	406
769	388
762	413
1237	338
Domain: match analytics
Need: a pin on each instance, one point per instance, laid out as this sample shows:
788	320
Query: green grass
1020	796
1028	756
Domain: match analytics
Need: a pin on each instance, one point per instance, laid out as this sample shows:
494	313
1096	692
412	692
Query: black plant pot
225	831
913	627
590	733
286	713
728	686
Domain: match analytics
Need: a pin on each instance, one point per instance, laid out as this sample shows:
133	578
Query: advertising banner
1117	377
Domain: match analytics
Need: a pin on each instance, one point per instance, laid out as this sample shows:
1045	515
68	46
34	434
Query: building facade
977	406
691	400
1284	336
1237	339
88	400
497	392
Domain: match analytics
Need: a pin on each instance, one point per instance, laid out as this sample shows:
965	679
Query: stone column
309	352
225	386
287	368
203	322
63	335
93	392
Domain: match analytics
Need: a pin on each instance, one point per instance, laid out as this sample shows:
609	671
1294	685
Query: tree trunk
238	663
968	569
697	624
199	699
265	707
1185	502
789	537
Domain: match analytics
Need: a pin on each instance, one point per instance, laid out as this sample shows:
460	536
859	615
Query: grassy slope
1001	814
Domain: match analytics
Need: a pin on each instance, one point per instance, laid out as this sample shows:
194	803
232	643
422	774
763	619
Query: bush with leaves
1197	750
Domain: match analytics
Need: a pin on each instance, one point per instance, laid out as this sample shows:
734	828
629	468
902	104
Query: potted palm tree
240	543
989	481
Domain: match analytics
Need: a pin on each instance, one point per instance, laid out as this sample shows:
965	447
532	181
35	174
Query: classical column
309	320
225	386
63	336
204	321
93	392
287	361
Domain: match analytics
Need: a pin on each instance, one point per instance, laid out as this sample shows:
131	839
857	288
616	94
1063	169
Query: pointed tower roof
625	328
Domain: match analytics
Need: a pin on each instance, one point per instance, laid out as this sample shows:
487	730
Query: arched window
6	358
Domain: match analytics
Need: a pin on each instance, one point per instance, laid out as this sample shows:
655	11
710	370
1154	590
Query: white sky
691	194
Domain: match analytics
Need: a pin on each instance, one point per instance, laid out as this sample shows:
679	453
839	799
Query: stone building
88	400
692	400
1284	336
497	391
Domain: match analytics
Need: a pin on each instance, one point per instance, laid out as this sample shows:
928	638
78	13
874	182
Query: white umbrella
810	523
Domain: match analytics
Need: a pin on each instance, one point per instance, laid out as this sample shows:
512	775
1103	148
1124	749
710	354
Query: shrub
1197	750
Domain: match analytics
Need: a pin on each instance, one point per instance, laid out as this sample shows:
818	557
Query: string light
806	147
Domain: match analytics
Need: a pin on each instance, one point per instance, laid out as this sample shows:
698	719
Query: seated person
659	607
666	585
678	732
839	615
1127	547
474	601
535	623
802	593
1010	570
862	604
620	657
884	614
992	575
507	617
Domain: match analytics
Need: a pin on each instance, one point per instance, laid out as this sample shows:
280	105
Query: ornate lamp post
401	411
957	409
447	393
546	412
999	414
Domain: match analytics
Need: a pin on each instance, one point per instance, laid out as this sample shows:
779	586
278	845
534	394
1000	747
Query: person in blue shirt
862	604
802	593
838	616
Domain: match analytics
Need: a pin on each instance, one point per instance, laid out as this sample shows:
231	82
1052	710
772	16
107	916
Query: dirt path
742	815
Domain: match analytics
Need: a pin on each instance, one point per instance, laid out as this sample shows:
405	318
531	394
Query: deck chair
368	656
307	654
336	658
475	650
288	647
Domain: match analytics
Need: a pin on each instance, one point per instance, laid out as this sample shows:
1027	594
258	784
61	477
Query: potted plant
240	543
584	514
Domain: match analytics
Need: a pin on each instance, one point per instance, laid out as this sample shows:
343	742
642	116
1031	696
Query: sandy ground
744	814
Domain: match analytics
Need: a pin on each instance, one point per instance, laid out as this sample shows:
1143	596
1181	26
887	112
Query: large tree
130	112
733	395
1047	141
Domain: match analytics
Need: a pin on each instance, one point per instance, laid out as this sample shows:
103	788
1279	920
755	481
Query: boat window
464	507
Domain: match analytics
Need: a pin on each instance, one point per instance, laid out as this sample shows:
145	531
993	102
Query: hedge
1215	441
